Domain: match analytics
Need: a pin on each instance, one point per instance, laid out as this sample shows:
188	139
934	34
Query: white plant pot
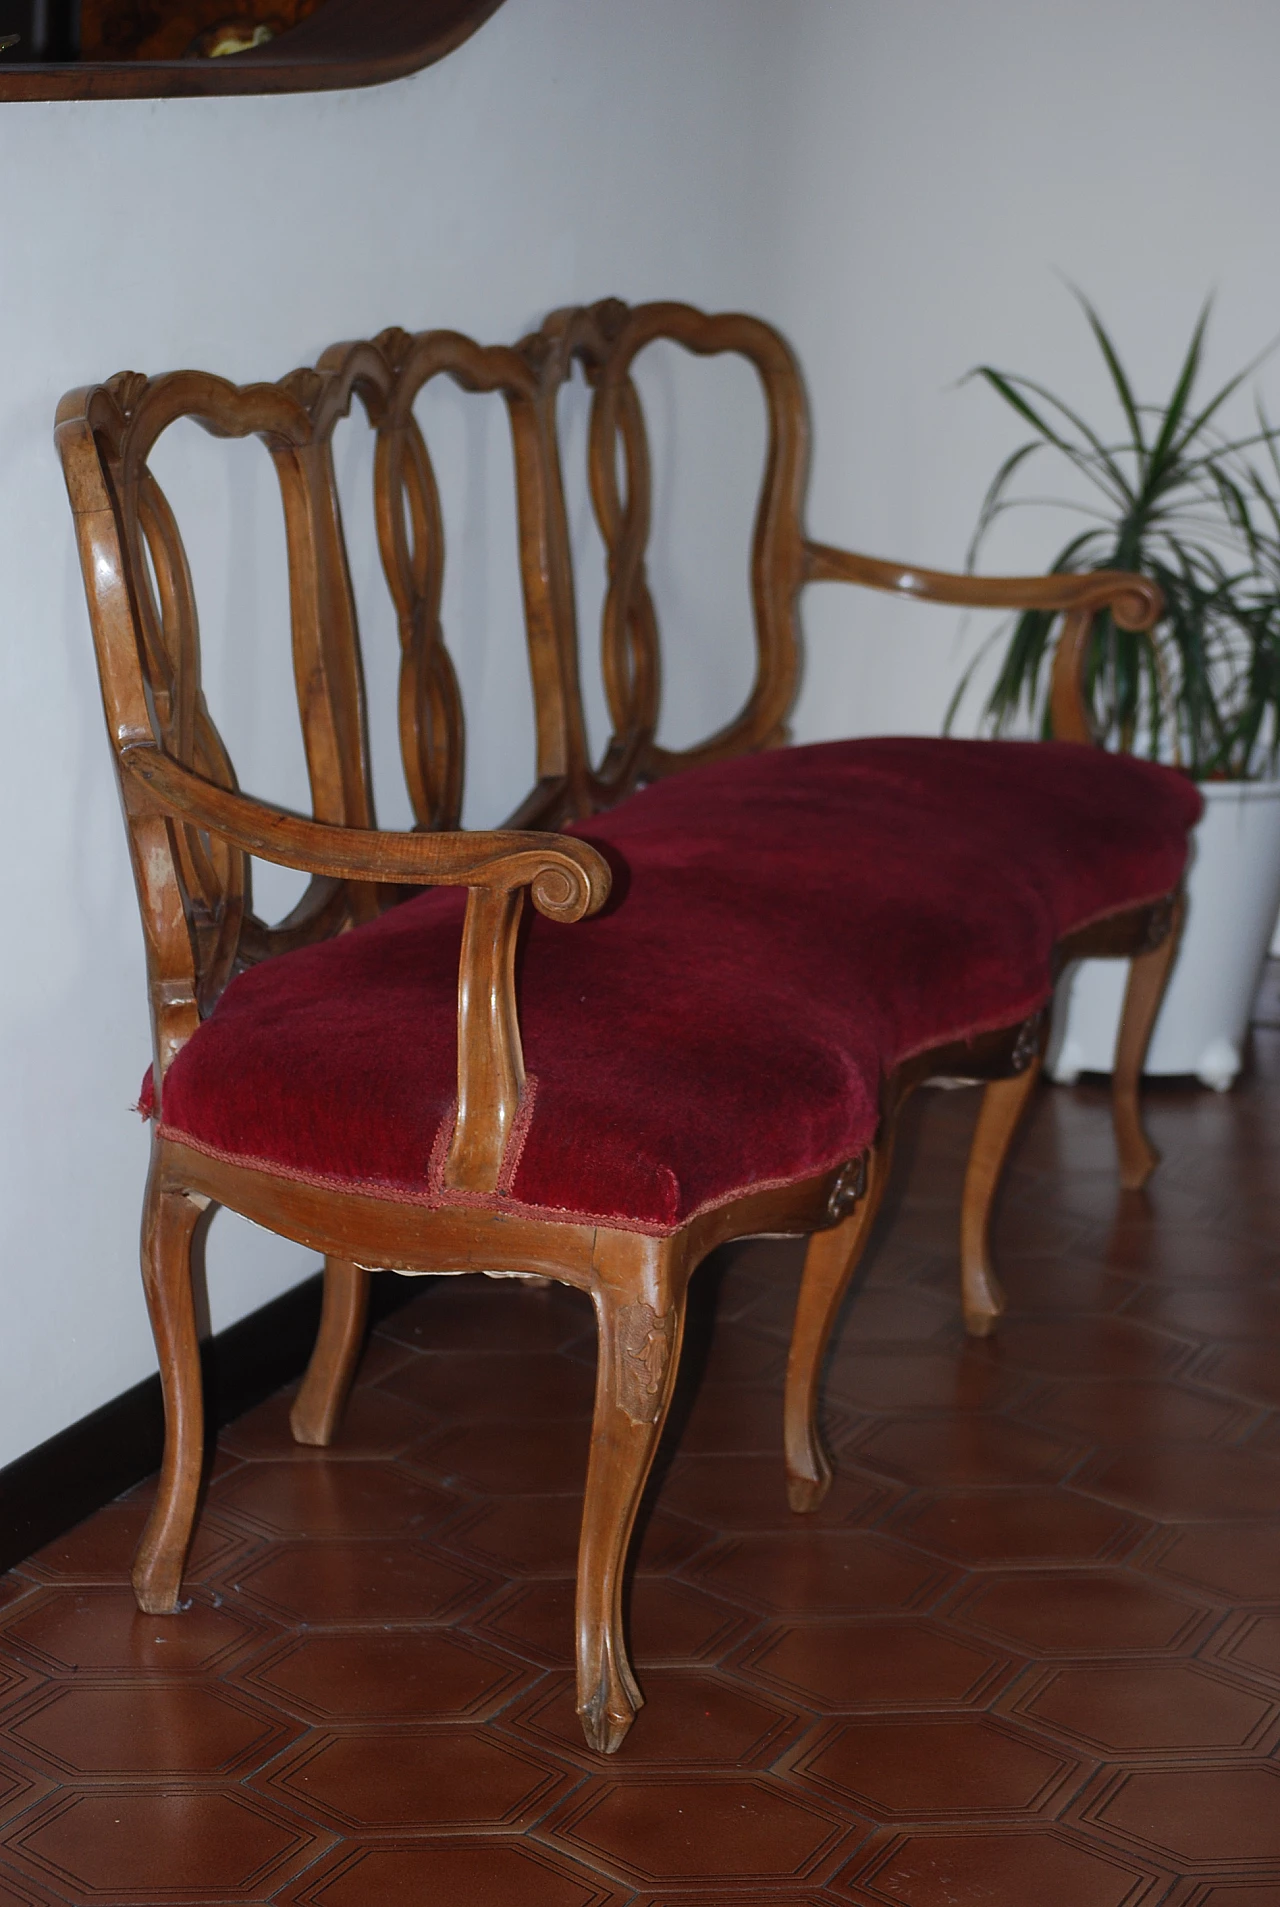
1233	894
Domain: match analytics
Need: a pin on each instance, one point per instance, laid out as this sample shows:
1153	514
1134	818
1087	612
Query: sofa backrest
195	891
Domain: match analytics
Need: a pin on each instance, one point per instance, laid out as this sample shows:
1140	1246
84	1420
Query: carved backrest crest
606	338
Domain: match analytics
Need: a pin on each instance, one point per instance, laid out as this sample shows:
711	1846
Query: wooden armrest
1135	602
568	879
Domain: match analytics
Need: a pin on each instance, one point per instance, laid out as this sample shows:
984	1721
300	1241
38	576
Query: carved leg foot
317	1409
1003	1104
1148	978
641	1322
830	1263
168	1222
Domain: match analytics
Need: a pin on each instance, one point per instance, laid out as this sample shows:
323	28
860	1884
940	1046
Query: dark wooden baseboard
55	1486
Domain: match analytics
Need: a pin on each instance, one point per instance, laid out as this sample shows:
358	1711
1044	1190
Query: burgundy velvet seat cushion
783	930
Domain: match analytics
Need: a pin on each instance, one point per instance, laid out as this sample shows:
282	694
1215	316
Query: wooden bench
784	942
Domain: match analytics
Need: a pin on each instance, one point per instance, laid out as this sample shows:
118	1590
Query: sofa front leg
168	1224
1148	978
317	1409
830	1262
1003	1103
641	1324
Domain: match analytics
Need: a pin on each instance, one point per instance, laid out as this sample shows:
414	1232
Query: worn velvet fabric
784	929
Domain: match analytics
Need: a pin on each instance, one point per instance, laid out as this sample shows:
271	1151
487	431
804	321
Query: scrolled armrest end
1139	604
571	884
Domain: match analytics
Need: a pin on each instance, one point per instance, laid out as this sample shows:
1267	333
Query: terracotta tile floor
1027	1655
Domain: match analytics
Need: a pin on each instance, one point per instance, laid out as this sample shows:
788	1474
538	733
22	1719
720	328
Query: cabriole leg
317	1409
168	1222
830	1262
1003	1103
1148	978
641	1323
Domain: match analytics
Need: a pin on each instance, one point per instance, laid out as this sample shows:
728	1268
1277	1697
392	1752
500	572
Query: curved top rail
346	43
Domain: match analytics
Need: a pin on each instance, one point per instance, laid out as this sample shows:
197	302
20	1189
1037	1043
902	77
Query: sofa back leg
830	1262
1148	978
317	1409
1003	1103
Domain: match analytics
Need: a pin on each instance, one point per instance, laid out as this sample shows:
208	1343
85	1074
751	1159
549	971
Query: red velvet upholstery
784	929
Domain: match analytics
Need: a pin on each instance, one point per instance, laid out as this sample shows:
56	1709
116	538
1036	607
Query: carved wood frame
192	831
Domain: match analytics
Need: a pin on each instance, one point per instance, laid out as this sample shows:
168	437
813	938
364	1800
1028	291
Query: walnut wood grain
1134	601
344	43
194	834
1148	980
317	1409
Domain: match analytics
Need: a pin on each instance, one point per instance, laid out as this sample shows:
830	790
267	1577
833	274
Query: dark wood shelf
347	43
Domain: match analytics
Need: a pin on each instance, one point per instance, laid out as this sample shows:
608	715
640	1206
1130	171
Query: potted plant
1167	493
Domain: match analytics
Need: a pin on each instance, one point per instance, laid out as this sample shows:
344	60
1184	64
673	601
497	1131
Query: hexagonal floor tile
1252	1645
101	1629
14	1894
671	1622
703	1896
508	1460
100	1550
1044	1867
331	1499
137	1846
1218	1310
1250	1371
970	1767
417	1778
1074	1613
1177	1254
538	1536
1247	1894
689	1831
1182	1484
374	1424
740	1418
17	1676
154	1730
823	1572
1124	1410
896	1317
475	1313
738	1355
453	1873
690	1719
962	1380
1223	1819
20	1788
1082	1347
1125	1709
971	1450
749	1493
478	1386
1034	1286
376	1675
371	1581
1239	1562
873	1663
985	1528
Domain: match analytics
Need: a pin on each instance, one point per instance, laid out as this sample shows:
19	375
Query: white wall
574	148
898	186
951	167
